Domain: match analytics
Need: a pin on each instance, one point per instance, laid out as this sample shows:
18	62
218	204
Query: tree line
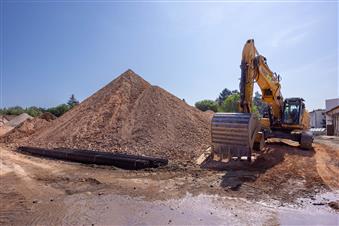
36	111
228	101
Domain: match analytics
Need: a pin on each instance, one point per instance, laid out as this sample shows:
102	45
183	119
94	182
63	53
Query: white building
332	116
318	119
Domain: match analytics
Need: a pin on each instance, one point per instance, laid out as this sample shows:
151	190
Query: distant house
318	118
332	117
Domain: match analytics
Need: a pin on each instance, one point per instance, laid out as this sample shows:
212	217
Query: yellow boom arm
255	69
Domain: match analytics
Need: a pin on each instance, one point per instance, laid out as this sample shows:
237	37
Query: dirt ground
285	185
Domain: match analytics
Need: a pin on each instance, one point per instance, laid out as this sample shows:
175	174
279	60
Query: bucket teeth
233	132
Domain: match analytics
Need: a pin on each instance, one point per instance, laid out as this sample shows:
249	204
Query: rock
334	205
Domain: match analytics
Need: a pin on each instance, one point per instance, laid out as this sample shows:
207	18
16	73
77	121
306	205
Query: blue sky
53	49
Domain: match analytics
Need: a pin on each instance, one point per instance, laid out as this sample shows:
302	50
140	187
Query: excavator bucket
233	134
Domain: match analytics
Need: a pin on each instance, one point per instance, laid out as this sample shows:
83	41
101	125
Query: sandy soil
327	161
5	129
285	185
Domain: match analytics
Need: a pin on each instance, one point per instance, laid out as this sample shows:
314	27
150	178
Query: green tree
36	111
256	111
224	94
72	101
260	105
205	105
33	111
17	110
235	91
59	110
231	104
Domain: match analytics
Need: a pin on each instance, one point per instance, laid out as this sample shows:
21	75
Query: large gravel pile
18	120
21	133
8	126
130	115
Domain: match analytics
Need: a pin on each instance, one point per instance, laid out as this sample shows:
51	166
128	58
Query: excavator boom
255	69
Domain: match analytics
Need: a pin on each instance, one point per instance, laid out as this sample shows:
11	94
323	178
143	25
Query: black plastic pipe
120	160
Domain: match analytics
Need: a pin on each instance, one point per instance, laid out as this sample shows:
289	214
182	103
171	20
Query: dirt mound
3	120
9	117
130	115
47	116
18	120
24	130
8	126
5	129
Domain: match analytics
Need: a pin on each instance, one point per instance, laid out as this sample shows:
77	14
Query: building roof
331	103
333	111
317	110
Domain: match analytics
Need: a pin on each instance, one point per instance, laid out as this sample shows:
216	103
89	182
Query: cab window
291	113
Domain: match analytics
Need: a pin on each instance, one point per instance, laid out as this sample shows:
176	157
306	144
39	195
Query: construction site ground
285	185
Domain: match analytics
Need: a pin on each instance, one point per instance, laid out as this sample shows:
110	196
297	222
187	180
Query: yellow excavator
239	134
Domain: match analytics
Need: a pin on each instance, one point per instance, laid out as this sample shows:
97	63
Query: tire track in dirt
327	160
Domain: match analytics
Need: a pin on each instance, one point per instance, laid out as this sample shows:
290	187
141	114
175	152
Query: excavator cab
292	111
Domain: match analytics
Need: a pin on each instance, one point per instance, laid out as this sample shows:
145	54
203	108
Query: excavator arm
255	69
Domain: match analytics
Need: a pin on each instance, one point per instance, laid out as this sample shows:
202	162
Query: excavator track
233	134
306	140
